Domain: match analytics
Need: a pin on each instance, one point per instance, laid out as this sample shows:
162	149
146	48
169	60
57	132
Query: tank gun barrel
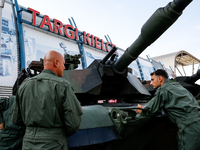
194	77
155	26
108	55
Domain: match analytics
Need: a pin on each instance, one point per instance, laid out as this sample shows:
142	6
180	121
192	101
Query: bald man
48	107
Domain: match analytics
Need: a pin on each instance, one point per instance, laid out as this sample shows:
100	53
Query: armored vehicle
109	94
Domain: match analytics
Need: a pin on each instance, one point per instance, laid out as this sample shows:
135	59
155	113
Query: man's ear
160	78
56	63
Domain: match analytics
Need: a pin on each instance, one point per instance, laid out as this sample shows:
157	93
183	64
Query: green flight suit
11	136
48	107
181	108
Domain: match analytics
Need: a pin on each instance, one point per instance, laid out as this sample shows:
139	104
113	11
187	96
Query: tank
109	94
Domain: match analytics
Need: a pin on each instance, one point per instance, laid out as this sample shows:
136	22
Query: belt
47	133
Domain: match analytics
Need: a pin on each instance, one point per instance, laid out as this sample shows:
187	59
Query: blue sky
122	21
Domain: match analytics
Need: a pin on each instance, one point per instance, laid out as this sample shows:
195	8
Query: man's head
158	77
54	61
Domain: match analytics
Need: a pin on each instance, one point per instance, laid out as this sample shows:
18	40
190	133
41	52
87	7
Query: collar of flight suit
49	71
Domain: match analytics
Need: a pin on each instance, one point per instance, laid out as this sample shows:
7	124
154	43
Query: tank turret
108	78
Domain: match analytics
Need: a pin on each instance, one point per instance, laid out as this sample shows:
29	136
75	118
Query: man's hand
138	110
1	126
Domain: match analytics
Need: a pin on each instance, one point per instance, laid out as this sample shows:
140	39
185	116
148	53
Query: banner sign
57	27
8	55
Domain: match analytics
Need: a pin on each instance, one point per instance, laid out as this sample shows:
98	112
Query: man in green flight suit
10	135
48	107
179	105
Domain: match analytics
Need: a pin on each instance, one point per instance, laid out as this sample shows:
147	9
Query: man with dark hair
179	105
160	72
47	106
